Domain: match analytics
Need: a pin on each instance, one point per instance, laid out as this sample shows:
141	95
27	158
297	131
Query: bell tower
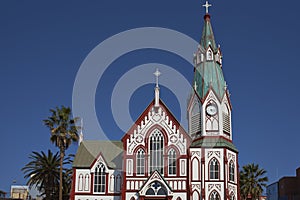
209	109
213	157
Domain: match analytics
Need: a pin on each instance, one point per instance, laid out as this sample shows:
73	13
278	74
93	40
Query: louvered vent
226	123
196	124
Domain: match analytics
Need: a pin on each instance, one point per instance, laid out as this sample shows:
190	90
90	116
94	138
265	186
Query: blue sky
42	46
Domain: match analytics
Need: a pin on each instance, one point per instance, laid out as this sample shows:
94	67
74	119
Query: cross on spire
207	5
157	74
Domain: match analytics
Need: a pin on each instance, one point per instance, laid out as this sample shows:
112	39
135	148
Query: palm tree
252	181
43	172
63	132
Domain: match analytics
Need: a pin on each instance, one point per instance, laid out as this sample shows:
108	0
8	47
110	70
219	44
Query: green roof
213	142
207	34
208	74
88	151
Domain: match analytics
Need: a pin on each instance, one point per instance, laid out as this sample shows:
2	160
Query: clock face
211	109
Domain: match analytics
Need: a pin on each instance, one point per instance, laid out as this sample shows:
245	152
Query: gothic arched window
209	55
231	171
100	178
156	144
172	162
140	162
214	168
86	182
80	182
214	196
196	195
195	119
195	169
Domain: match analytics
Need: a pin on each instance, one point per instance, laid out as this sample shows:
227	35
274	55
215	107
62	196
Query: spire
156	74
208	62
207	33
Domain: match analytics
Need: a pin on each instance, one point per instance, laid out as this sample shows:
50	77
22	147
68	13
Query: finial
157	74
207	5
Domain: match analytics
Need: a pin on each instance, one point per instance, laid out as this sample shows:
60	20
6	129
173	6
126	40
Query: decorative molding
160	118
217	153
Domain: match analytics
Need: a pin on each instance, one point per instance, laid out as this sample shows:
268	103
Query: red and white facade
159	159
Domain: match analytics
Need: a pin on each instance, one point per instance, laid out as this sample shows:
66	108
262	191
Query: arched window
172	162
118	183
209	55
80	182
156	151
195	169
100	178
231	171
214	169
196	195
86	182
156	188
214	196
226	119
140	162
212	117
195	119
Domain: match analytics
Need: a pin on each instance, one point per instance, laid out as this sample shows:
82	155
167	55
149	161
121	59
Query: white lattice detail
162	119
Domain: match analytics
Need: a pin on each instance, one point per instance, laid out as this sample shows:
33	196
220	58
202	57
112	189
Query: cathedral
157	158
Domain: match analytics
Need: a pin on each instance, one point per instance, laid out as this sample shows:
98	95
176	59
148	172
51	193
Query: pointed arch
195	118
226	119
214	195
112	183
196	195
195	169
140	162
209	55
86	182
172	162
156	147
231	171
212	119
214	169
100	178
80	182
118	183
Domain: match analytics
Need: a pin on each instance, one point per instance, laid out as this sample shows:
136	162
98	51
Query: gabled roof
88	151
168	113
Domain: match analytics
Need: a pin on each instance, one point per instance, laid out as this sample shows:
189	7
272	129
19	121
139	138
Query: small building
19	192
287	188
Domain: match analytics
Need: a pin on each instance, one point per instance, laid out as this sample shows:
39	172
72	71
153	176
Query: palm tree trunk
62	154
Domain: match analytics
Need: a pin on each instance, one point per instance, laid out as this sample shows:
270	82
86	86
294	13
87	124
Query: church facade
159	159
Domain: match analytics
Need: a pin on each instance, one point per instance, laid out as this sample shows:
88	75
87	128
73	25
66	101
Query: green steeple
207	34
208	64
